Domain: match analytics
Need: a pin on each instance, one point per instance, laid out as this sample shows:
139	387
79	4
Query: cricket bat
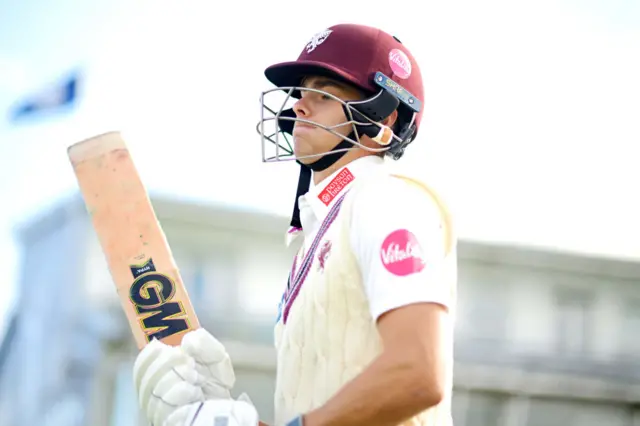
138	255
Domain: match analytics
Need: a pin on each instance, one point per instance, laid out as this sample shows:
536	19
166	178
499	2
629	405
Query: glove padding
218	412
213	363
169	379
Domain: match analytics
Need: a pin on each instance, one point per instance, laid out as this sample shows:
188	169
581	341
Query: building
543	339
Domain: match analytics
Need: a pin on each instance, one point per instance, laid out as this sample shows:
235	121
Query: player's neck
319	176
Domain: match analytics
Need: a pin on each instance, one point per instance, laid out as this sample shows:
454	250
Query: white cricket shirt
397	235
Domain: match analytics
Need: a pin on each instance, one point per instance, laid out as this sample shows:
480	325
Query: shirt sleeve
398	238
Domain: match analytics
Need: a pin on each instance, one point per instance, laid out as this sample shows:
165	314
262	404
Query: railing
499	353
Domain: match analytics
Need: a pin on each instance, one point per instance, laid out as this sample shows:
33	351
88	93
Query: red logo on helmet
401	253
400	63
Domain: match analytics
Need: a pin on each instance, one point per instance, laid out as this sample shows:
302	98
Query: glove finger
181	375
181	416
164	363
215	391
180	395
211	355
144	359
221	374
203	346
187	372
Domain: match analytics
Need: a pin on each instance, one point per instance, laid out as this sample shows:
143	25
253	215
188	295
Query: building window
197	280
574	310
483	308
564	412
192	273
485	408
217	277
630	346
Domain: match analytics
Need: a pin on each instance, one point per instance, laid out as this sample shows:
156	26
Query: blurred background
531	131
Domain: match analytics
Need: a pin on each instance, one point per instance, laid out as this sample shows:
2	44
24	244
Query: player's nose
301	108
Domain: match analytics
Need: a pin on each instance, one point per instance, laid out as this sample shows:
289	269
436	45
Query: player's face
320	108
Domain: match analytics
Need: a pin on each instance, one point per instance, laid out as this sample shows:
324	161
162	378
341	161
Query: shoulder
402	195
391	202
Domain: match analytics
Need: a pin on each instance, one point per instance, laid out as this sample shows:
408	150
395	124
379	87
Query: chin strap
304	180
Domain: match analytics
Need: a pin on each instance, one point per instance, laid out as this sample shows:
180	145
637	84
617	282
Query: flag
58	96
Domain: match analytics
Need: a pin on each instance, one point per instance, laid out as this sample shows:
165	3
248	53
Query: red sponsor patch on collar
336	186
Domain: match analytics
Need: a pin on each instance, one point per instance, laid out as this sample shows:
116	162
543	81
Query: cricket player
364	334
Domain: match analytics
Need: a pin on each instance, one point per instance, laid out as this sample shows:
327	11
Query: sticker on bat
151	293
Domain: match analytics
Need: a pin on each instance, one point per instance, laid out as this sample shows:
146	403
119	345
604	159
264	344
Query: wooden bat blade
138	255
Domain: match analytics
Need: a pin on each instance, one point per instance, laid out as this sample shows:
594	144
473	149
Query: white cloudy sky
531	126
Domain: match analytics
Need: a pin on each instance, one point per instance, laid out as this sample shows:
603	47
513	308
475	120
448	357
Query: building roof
216	214
167	207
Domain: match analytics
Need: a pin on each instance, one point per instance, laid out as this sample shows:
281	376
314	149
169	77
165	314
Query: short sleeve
399	241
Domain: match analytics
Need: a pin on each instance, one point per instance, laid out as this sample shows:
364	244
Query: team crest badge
317	40
323	254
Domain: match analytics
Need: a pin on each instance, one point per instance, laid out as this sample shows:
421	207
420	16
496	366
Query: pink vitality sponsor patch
400	63
401	253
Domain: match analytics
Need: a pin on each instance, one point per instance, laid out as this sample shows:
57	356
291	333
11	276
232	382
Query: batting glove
170	380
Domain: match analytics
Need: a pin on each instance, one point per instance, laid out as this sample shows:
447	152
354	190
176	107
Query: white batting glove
170	379
218	412
213	363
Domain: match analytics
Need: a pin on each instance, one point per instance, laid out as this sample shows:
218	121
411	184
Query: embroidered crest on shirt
299	274
317	40
323	254
335	187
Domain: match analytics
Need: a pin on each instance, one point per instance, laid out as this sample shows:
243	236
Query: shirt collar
321	197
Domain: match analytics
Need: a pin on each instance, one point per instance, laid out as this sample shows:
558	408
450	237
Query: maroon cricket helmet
359	54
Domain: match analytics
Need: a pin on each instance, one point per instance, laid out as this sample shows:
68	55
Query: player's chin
304	157
303	148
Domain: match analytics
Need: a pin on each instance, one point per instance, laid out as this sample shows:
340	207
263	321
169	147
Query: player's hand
168	379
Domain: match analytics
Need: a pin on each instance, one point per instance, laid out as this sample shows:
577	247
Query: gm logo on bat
151	294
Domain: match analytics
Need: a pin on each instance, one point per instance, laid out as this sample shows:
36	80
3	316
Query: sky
532	111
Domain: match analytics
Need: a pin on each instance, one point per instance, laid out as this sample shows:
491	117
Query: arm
407	378
410	300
